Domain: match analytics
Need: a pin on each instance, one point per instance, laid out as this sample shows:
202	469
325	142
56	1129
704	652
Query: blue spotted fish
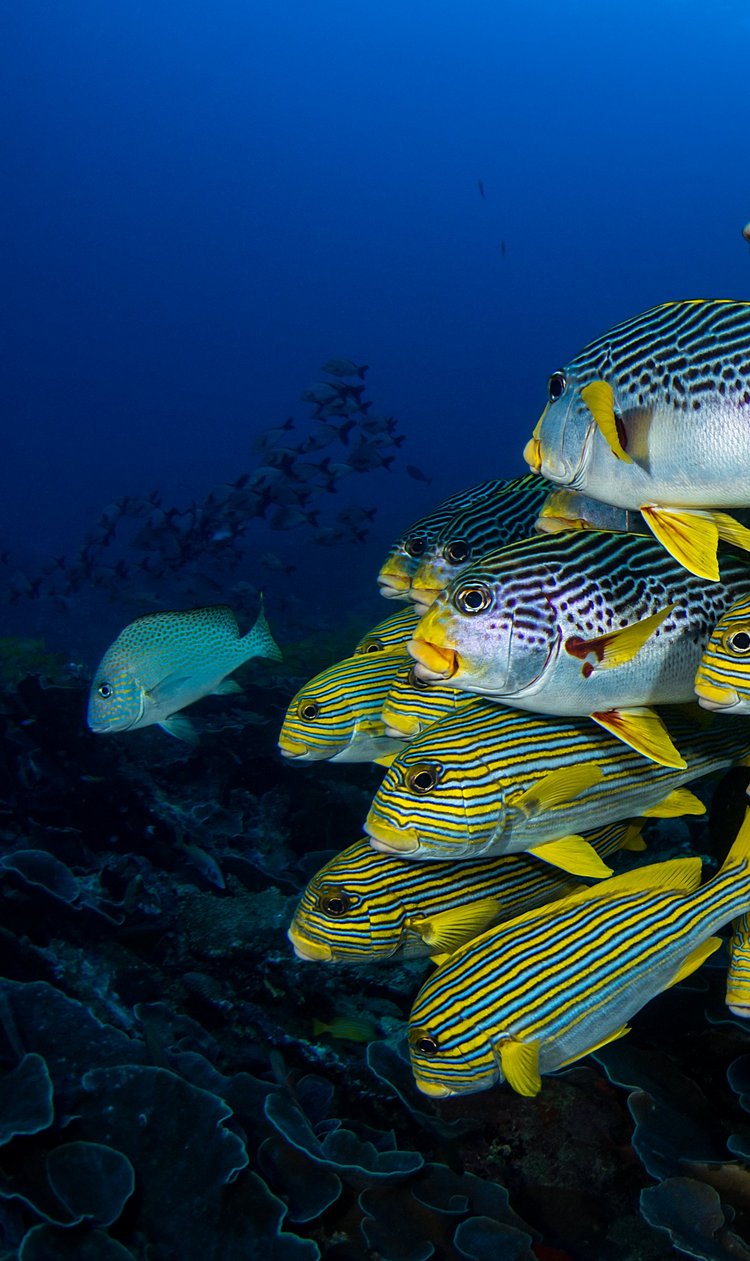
163	662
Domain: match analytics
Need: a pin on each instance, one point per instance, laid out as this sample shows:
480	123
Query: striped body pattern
506	514
723	678
530	624
364	905
680	381
336	716
544	989
394	579
393	632
738	974
475	784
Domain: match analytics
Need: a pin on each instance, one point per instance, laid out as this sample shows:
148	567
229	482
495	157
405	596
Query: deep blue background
202	202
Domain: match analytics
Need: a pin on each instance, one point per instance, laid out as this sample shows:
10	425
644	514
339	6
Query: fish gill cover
277	282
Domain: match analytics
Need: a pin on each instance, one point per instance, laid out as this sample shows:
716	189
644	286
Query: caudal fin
259	642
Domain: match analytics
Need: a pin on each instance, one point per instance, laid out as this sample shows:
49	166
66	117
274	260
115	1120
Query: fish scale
540	641
545	989
486	759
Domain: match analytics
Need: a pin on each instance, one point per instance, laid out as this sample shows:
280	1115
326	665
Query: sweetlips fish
544	989
489	780
393	632
654	416
591	622
738	972
336	716
504	515
394	578
411	705
722	680
364	905
163	662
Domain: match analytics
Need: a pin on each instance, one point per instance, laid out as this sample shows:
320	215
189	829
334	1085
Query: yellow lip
304	948
292	748
424	597
712	697
431	1088
399	724
390	840
394	586
436	662
532	454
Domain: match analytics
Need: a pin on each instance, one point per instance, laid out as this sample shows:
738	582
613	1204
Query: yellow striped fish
363	905
723	677
654	416
336	716
738	973
489	780
594	622
393	632
548	987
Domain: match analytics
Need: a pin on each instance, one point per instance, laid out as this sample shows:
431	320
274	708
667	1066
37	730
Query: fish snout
394	586
389	840
532	454
293	748
306	948
433	662
434	1089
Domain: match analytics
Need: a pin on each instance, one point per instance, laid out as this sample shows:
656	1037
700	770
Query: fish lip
712	697
433	1089
293	748
423	598
307	949
428	657
394	587
389	840
408	729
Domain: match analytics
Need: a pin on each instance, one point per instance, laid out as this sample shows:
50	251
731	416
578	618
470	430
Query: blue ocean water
203	203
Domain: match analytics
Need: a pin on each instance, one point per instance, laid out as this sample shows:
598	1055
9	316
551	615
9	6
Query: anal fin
642	729
573	854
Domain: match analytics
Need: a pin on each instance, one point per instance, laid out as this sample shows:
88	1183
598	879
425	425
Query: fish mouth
423	598
433	662
400	725
293	748
532	454
739	1009
712	697
394	586
389	840
433	1088
306	948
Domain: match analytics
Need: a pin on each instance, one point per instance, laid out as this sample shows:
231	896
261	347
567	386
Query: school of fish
542	696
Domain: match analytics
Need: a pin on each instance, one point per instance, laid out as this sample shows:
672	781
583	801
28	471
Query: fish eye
457	551
414	680
472	600
423	777
334	902
371	645
422	1042
556	386
739	641
105	690
415	546
308	710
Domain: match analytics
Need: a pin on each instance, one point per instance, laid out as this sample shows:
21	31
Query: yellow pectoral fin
520	1065
557	788
385	759
600	401
680	801
731	531
691	537
644	731
439	960
611	1037
573	854
450	929
695	959
618	647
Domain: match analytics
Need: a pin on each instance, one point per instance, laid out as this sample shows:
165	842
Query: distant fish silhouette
417	474
480	186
